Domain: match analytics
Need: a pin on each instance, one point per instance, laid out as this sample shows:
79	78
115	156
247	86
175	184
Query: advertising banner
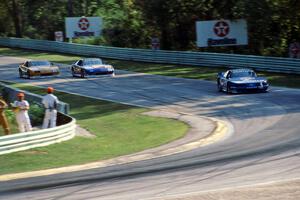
221	33
83	26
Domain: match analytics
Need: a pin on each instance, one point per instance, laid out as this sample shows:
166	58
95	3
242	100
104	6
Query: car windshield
93	62
243	74
40	63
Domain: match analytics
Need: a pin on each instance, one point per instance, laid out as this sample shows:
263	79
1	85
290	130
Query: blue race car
241	80
91	66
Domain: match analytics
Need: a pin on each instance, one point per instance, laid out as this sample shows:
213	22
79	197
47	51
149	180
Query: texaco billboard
221	33
83	26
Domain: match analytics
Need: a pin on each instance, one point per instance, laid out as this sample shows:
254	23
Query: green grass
37	55
204	73
119	130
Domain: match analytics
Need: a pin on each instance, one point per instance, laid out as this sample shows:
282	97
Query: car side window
224	75
26	64
79	63
228	75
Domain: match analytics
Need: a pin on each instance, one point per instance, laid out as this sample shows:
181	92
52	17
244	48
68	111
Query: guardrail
28	140
260	63
39	138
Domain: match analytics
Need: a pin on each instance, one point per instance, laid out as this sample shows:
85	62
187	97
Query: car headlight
109	67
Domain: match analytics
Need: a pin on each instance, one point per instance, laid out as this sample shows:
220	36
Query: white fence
39	138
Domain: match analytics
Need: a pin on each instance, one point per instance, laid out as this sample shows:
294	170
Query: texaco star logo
221	28
83	24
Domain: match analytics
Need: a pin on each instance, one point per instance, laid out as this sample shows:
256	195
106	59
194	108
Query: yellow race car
37	68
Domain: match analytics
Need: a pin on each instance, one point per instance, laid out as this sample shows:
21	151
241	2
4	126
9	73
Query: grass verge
183	71
119	130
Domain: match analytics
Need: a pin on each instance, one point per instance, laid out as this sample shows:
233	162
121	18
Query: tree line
272	24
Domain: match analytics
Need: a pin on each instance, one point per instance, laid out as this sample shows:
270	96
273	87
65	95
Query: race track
264	148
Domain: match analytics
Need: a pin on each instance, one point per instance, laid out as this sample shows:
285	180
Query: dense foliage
272	24
36	114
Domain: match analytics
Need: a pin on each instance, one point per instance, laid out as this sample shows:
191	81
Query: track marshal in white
50	102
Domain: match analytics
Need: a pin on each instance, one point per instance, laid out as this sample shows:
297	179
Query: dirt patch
81	132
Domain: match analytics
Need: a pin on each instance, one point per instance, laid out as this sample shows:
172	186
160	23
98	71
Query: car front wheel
28	74
219	86
20	73
73	72
228	90
82	73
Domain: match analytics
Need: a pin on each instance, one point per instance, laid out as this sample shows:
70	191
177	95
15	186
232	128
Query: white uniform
50	102
22	116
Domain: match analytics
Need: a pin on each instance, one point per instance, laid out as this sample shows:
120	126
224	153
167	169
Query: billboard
83	26
221	33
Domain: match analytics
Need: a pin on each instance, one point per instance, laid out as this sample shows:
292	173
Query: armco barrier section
39	138
261	63
28	140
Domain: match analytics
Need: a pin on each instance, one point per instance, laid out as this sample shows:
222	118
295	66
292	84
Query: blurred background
272	24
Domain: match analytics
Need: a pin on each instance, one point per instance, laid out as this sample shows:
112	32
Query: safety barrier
260	63
28	140
39	138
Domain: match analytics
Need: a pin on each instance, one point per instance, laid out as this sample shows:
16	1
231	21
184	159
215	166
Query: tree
272	24
14	11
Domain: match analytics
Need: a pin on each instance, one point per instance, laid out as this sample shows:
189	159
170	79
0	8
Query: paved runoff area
259	160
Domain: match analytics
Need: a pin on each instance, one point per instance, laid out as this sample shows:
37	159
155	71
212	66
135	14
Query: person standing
21	108
3	120
50	103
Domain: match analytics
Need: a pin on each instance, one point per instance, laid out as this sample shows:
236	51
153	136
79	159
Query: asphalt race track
263	151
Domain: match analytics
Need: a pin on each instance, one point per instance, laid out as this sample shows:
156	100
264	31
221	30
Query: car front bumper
99	71
248	88
43	73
